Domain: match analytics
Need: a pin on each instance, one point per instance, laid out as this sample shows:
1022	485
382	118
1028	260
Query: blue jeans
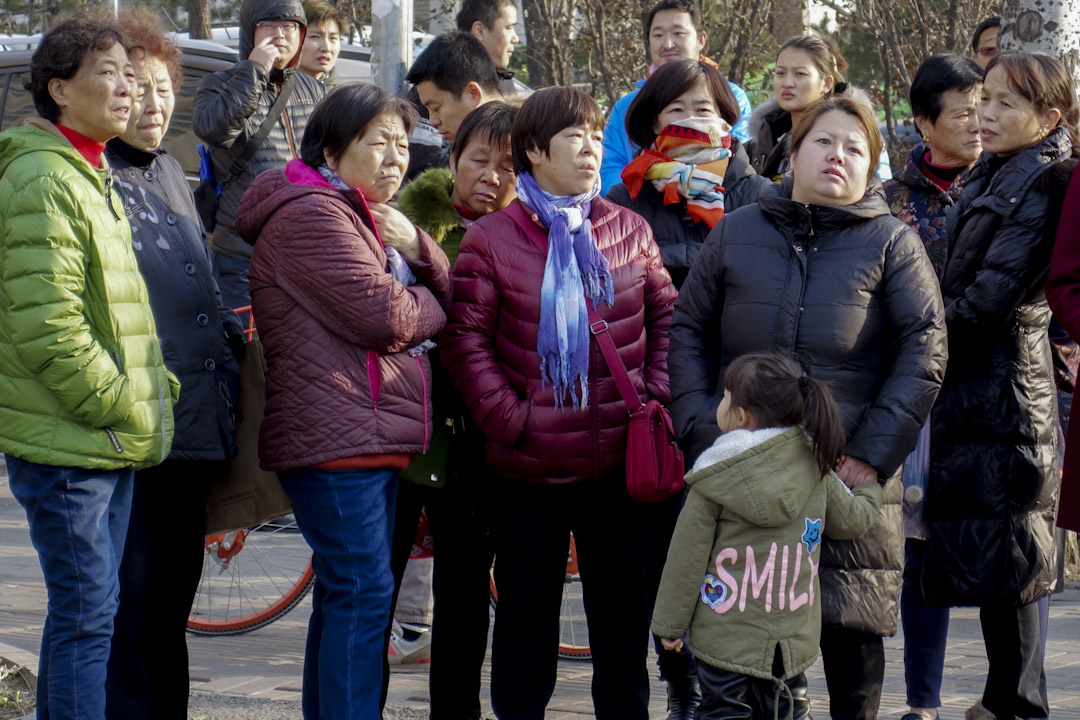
78	521
231	276
346	516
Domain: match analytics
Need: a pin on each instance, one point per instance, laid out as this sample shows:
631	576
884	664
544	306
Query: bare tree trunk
789	19
1042	26
538	49
199	18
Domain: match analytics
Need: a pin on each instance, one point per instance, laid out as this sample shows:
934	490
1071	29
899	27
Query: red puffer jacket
336	325
489	346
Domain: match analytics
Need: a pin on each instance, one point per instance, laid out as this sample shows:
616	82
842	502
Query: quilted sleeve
468	344
43	272
349	289
660	297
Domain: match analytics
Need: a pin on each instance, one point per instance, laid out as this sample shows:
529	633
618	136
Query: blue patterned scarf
575	268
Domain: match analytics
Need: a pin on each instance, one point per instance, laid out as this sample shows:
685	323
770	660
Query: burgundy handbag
654	462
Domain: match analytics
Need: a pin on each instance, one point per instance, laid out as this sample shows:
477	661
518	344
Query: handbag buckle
598	327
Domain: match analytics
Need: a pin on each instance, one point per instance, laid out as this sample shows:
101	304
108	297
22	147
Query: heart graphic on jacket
713	591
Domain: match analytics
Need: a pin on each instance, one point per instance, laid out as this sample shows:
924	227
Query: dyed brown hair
145	38
810	116
778	393
1043	80
545	114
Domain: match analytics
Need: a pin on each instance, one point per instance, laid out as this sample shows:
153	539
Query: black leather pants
728	695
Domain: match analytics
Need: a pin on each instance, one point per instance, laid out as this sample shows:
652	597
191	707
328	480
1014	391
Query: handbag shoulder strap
597	325
240	162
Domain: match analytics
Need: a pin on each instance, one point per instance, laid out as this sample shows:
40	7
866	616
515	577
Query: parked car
200	58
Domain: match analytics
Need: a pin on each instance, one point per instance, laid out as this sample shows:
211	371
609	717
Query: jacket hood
253	12
795	218
765	476
426	202
38	135
276	188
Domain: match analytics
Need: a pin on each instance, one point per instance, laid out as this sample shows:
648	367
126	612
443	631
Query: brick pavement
267	663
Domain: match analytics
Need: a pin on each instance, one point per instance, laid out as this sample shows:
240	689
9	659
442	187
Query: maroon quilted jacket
489	346
335	324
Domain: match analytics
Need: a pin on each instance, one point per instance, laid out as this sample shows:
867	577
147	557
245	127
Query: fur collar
734	443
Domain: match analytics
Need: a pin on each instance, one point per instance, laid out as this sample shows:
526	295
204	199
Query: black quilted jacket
853	287
230	105
679	237
993	474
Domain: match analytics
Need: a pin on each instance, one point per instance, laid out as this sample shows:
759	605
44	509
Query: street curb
27	661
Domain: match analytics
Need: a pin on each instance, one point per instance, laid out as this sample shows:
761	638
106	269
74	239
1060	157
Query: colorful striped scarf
687	162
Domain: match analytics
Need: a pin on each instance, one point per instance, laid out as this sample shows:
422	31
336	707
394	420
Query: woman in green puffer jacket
84	395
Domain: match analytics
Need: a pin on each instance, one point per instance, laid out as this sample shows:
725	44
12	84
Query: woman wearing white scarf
519	349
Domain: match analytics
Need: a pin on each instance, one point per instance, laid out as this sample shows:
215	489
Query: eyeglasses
286	27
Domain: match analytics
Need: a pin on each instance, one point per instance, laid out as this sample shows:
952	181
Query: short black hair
492	122
452	61
545	114
343	116
62	53
982	27
937	75
486	11
690	7
668	83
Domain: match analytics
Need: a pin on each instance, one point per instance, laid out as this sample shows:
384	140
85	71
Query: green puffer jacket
741	572
82	382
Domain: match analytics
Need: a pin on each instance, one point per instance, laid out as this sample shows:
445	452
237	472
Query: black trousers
159	575
727	695
532	534
1015	681
662	517
460	522
854	672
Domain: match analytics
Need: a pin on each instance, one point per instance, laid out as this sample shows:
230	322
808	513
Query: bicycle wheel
573	629
251	578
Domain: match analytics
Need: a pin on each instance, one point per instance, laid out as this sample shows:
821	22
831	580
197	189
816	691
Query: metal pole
391	43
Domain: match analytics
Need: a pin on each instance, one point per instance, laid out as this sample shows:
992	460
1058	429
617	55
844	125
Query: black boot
683	694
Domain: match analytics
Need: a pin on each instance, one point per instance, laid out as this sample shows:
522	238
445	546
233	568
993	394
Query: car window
15	99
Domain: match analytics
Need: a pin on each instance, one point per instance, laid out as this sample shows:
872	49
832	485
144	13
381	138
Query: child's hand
671	643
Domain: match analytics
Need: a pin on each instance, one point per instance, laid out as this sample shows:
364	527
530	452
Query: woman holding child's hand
820	267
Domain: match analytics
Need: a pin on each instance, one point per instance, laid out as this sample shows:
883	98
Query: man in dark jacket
493	23
231	105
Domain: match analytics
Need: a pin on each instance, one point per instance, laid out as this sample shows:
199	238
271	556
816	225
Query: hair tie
804	381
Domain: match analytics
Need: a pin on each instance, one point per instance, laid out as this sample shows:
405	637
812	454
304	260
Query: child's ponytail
822	422
779	393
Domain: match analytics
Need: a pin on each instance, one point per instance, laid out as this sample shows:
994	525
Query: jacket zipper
108	195
374	376
114	440
427	417
164	430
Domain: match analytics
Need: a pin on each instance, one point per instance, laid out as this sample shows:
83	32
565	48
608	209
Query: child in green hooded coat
741	573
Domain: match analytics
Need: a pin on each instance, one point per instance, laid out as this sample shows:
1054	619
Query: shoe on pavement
409	652
919	716
979	712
